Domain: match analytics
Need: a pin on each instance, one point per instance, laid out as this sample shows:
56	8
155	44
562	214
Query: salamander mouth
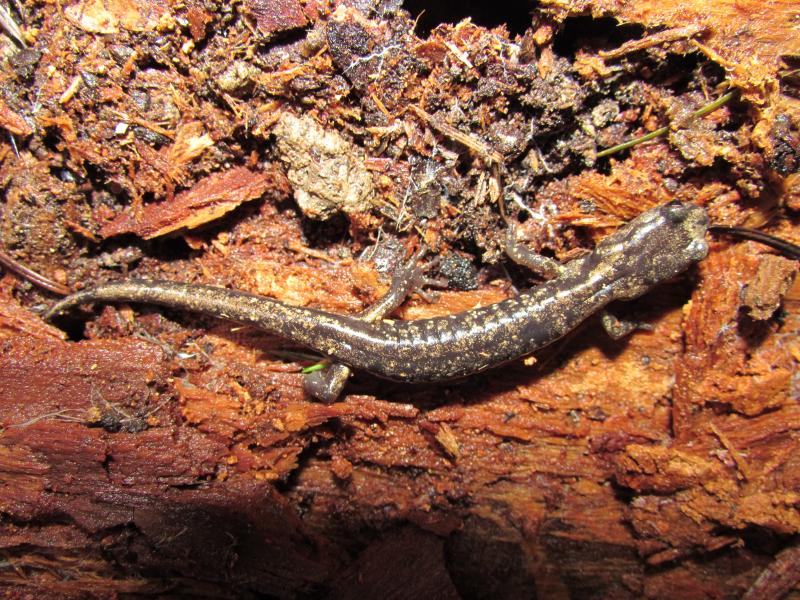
696	226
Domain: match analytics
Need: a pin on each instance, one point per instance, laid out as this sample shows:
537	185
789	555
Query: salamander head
656	246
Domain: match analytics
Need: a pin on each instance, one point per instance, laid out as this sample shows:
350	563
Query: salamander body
654	247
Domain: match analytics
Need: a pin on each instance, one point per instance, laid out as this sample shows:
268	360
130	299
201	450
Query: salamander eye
676	211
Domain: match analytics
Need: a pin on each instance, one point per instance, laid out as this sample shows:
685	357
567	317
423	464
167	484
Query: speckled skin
652	248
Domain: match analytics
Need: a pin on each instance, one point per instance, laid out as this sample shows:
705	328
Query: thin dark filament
788	248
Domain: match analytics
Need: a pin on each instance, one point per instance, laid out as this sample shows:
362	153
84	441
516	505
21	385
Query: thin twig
478	146
10	25
701	112
26	273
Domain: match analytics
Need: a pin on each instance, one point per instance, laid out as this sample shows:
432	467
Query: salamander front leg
408	277
543	266
327	385
618	328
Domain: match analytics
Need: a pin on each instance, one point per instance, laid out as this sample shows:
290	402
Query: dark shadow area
516	16
590	33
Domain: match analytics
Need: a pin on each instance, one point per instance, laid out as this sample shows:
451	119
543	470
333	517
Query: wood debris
208	200
302	149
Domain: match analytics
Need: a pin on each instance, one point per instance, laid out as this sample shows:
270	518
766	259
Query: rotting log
155	453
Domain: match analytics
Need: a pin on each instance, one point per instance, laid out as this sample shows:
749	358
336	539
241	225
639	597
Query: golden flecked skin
652	248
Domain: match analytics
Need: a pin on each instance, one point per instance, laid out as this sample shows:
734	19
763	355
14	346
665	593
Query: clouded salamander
650	249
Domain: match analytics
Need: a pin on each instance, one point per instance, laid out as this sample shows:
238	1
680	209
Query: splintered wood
207	201
301	150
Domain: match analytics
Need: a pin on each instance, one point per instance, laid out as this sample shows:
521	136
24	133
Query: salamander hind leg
327	385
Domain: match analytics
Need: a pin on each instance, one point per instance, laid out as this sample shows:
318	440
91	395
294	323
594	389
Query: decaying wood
155	453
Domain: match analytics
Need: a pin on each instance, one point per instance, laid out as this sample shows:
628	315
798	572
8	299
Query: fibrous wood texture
297	149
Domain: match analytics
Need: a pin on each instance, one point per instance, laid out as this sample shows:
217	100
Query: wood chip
209	199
